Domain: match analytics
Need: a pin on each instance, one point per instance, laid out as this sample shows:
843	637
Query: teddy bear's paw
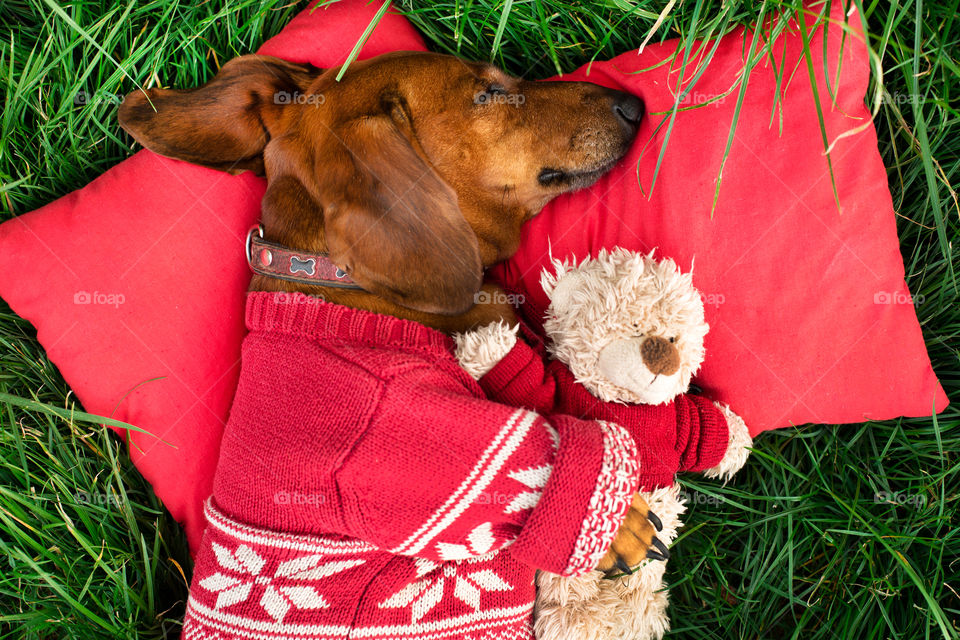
640	612
635	541
479	350
737	447
667	503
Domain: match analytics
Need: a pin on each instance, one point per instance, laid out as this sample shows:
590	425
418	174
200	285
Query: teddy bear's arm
702	433
737	446
508	369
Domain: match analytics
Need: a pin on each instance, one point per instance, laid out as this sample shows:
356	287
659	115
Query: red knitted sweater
368	489
687	434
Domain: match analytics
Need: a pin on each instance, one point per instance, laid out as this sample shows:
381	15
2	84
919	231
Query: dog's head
414	171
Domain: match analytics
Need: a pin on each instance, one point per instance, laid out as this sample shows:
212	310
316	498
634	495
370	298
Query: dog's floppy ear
224	124
391	221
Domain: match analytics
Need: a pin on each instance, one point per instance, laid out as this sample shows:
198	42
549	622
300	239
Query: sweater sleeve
520	380
461	483
702	433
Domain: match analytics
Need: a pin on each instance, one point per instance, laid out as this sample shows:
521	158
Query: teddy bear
625	334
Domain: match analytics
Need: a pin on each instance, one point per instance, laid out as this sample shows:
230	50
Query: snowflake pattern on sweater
385	497
425	594
277	599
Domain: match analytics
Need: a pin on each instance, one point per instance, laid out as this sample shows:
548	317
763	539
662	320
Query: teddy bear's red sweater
687	434
368	489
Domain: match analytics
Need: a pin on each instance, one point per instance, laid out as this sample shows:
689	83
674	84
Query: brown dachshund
414	173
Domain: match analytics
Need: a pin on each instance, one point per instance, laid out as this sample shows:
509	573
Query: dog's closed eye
550	177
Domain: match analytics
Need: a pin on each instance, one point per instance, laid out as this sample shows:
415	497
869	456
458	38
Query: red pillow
810	317
141	329
109	274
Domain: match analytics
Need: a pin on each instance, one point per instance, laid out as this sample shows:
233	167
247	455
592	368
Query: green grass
830	532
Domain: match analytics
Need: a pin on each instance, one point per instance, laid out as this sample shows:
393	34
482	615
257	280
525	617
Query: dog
388	193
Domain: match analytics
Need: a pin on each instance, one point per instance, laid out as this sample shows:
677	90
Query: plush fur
481	349
630	608
602	311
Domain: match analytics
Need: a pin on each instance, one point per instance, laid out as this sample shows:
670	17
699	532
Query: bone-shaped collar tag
277	261
299	264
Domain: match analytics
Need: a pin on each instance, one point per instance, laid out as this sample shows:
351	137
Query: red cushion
791	284
105	274
810	316
128	241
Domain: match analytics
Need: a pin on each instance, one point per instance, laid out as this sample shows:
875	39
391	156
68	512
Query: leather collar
277	261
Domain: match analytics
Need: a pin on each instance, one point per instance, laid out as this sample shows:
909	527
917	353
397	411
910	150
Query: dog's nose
628	108
660	356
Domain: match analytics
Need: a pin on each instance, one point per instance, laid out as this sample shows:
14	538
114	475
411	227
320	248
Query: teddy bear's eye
672	339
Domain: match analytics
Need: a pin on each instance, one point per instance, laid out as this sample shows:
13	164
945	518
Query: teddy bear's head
629	327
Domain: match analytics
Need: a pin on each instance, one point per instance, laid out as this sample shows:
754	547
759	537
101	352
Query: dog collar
277	261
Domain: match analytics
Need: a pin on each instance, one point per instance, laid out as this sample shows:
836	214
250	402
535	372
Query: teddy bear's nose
660	356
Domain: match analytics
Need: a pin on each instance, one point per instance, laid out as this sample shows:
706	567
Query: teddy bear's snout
660	356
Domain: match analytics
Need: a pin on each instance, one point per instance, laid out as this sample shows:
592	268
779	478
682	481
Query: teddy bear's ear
561	287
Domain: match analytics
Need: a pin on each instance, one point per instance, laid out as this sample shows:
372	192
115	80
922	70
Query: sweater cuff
518	380
707	437
585	500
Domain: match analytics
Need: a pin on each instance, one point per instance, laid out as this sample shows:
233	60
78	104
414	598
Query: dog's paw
479	350
737	447
635	541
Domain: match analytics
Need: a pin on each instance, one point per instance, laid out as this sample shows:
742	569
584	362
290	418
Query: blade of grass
363	38
808	57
